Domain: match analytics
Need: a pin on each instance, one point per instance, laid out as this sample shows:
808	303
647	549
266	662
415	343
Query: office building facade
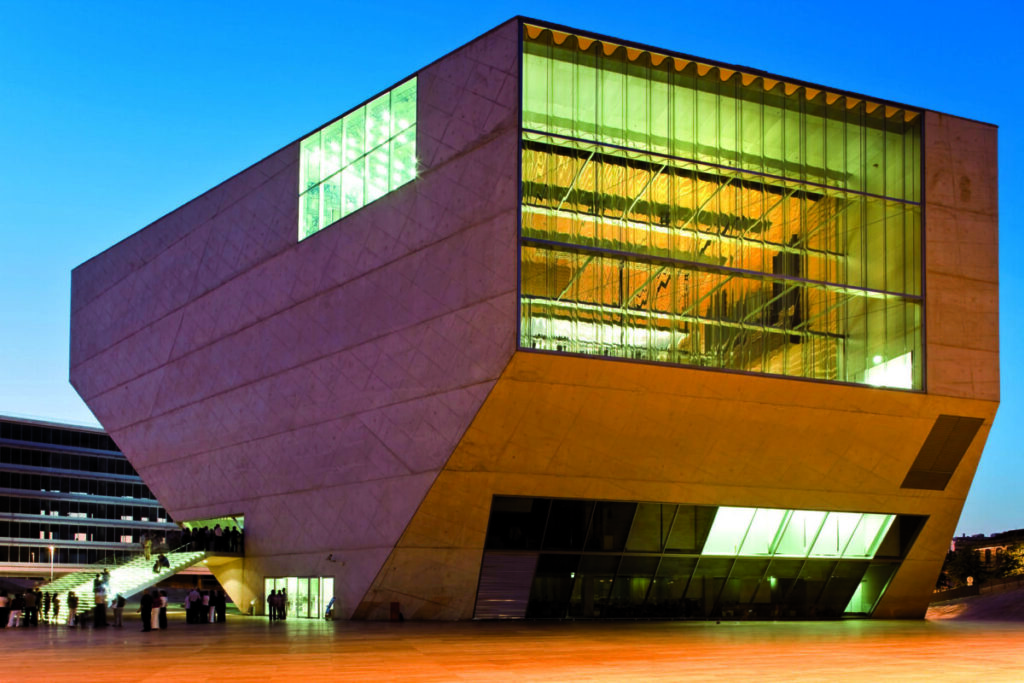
69	495
564	326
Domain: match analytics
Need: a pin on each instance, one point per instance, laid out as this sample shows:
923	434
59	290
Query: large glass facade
678	212
357	159
624	559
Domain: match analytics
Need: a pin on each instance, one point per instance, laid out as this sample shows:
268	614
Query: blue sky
114	113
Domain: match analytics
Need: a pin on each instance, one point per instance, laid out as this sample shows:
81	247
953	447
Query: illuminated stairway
127	579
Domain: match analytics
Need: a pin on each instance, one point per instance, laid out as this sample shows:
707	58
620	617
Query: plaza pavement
253	649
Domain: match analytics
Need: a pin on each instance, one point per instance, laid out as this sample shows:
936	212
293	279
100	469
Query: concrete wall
317	387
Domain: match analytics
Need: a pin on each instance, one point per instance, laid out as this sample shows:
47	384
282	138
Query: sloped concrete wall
317	387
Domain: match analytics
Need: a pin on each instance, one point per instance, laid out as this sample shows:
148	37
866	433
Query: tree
1010	562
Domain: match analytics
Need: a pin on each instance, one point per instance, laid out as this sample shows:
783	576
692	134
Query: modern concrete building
567	326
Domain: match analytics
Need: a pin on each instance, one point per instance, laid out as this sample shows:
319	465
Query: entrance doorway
307	596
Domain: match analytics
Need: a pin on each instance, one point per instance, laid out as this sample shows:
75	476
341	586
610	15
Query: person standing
162	620
207	613
222	606
56	607
29	617
5	609
154	615
146	609
72	609
99	588
119	603
147	547
46	605
17	607
195	605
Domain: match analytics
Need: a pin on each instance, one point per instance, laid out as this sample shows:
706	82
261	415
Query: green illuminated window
765	532
357	159
683	213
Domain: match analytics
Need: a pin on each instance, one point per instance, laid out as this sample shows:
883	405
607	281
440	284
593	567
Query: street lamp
51	564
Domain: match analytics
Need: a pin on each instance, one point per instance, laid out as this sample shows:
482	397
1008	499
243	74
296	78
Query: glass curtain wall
637	560
684	213
357	159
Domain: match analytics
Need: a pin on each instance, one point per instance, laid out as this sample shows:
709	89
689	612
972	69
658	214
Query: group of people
153	608
215	539
206	607
278	601
22	609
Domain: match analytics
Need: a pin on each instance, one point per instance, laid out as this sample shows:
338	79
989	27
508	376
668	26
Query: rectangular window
357	159
690	214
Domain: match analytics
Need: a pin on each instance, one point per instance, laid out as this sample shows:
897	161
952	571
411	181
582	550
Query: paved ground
248	649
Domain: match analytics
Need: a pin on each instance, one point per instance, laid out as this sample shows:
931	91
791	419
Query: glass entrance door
307	596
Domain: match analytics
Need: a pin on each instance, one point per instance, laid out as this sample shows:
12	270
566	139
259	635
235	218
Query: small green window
357	159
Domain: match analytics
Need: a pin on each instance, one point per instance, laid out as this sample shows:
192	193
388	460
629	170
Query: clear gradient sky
115	113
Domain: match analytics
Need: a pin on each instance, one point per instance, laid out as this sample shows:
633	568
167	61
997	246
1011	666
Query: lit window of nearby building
357	159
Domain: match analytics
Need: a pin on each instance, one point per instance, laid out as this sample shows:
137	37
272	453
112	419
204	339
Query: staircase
127	579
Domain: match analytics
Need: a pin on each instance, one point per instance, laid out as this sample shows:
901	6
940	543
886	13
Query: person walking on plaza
72	609
119	603
146	610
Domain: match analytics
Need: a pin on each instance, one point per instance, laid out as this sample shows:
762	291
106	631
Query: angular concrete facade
360	395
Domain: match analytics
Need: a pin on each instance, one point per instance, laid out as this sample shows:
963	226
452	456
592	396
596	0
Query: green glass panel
728	531
403	106
835	534
309	212
378	121
352	187
868	536
377	173
309	168
315	605
763	534
330	191
800	532
327	592
403	158
355	136
331	141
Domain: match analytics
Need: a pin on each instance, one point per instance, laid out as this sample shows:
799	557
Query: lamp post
51	564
